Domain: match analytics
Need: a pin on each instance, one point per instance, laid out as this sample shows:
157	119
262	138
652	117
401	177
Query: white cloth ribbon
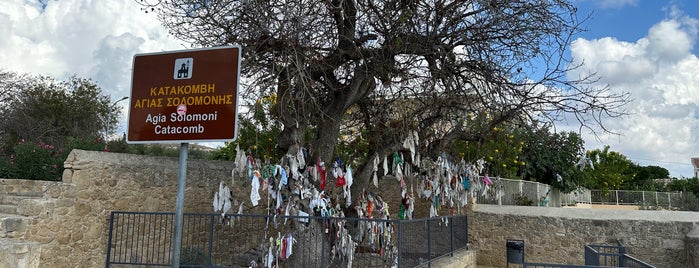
255	191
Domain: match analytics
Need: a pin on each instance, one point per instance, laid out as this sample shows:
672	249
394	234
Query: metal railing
612	256
210	240
554	265
596	256
514	192
638	198
520	192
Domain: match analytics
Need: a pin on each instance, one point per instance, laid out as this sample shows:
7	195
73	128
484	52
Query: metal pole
429	245
179	214
109	122
109	240
400	242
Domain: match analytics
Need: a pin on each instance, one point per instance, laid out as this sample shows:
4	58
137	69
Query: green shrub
689	202
522	200
40	161
34	161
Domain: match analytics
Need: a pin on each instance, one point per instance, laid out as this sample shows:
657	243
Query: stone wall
558	235
71	221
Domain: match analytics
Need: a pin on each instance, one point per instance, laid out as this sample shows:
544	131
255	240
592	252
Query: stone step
26	193
8	209
13	226
15	199
19	254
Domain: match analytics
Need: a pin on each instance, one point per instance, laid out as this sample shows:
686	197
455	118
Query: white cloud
90	38
660	72
113	59
94	39
615	3
668	41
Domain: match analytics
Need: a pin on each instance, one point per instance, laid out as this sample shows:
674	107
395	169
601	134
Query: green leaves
610	168
42	109
38	160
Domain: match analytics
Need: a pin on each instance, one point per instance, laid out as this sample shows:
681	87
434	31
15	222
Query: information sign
184	96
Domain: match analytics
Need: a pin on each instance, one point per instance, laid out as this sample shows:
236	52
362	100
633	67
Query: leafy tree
399	66
644	178
40	109
610	169
501	148
690	192
684	185
551	159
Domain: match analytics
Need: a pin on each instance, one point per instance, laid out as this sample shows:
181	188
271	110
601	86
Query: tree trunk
327	133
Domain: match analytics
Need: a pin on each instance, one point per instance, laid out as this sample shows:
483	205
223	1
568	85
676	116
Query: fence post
322	246
622	254
429	244
451	230
400	242
616	193
109	240
211	235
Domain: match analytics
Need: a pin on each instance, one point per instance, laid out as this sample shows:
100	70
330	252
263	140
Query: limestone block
15	254
82	209
67	176
12	224
35	207
461	258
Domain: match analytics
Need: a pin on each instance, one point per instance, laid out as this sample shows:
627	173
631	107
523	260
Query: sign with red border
184	96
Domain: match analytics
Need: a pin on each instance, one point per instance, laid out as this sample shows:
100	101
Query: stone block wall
71	220
558	235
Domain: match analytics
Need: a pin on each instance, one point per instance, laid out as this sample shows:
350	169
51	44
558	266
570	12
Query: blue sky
645	47
625	20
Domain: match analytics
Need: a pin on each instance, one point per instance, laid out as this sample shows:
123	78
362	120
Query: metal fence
555	265
528	193
210	240
515	192
638	198
605	255
612	256
599	256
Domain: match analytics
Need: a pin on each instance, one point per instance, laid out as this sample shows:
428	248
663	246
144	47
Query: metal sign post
179	207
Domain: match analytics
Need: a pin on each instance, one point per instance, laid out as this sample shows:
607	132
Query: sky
645	47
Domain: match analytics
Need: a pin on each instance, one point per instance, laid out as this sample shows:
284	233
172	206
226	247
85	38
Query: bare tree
446	69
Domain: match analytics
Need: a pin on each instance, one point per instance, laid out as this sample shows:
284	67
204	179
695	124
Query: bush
34	161
689	202
522	200
40	161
